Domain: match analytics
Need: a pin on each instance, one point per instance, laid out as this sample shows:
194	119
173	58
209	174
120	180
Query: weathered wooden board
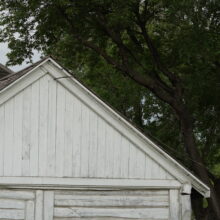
186	207
92	204
174	205
107	218
39	205
127	204
29	211
11	214
48	205
14	194
153	213
119	201
11	204
16	204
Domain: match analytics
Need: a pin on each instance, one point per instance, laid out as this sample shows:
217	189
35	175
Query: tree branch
153	50
148	82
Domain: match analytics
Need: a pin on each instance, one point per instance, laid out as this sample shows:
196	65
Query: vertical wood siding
46	131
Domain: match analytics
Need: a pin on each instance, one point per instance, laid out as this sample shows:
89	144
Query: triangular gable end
54	133
94	109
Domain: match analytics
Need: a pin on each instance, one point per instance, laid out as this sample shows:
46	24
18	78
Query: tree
170	48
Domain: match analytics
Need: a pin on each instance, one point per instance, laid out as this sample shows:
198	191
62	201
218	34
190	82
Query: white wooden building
66	155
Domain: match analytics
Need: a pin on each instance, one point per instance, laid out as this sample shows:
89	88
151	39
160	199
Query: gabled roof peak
174	167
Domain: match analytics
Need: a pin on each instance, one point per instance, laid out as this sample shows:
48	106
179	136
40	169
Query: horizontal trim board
53	182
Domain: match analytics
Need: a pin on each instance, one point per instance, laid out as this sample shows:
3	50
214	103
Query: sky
3	57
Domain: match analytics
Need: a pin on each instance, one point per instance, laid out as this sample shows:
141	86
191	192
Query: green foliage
186	34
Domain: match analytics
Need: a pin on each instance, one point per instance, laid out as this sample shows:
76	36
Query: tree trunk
198	164
197	206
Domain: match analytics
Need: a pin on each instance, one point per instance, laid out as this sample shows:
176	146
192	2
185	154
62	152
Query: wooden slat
174	205
186	207
18	118
8	143
39	205
141	163
93	144
26	131
77	137
125	157
68	135
84	153
51	135
117	154
29	212
132	161
153	213
148	167
2	137
148	192
11	204
101	155
109	218
34	156
13	194
115	201
11	214
43	124
60	130
109	152
48	205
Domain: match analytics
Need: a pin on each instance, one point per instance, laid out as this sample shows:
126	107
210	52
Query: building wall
47	131
87	204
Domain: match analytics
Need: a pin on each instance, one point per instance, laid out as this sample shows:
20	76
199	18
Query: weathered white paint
186	207
39	205
11	204
114	200
48	182
16	194
174	204
48	205
11	214
54	145
133	204
186	188
87	203
134	213
17	204
29	212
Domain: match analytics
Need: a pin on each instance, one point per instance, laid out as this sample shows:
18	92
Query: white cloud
3	57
